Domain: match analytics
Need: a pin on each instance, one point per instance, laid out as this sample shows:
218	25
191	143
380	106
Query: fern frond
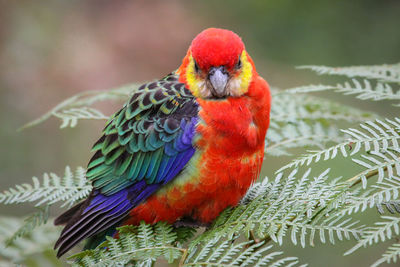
227	253
392	206
135	243
301	120
381	194
374	137
392	254
285	204
387	73
301	134
71	116
69	189
378	163
383	231
309	89
256	190
37	243
289	108
33	221
84	100
364	90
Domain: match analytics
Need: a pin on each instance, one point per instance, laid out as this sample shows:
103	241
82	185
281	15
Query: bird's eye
239	64
196	67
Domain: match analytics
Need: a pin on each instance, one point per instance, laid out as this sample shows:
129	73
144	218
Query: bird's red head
217	65
217	47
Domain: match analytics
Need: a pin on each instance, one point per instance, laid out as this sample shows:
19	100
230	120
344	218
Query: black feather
67	216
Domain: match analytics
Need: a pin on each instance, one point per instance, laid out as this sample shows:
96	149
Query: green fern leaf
381	232
84	100
290	136
142	244
381	194
30	223
386	73
71	116
35	246
364	90
374	137
272	209
69	189
227	253
392	254
392	206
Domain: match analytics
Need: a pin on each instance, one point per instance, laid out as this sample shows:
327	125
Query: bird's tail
97	214
67	216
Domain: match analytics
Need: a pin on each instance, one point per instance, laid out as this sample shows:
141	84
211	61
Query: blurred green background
52	50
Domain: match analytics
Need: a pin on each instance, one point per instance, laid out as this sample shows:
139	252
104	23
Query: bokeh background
50	50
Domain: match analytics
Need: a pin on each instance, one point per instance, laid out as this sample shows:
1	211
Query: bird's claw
184	222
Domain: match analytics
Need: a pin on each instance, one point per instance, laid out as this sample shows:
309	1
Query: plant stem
183	258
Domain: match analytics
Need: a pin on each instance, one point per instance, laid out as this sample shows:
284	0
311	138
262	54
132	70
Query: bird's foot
254	238
188	222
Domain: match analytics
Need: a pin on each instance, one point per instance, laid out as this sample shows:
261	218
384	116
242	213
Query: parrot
181	150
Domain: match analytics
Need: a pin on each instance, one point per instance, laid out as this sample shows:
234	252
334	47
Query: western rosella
184	147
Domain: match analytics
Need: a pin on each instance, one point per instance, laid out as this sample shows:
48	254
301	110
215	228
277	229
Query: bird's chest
227	129
226	140
215	180
229	159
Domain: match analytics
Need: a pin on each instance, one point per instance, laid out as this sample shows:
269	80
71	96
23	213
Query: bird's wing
146	139
144	146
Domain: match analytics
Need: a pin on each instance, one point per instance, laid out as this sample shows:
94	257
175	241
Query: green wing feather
133	145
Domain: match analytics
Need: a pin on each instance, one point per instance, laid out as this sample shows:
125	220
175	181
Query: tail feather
86	232
89	218
67	216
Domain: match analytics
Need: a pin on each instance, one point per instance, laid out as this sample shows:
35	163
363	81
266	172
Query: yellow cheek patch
246	73
191	78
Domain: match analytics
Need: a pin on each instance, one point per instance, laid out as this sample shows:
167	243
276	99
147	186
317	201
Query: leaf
69	189
385	73
374	137
30	223
392	254
35	247
271	208
218	252
71	116
84	100
135	243
381	232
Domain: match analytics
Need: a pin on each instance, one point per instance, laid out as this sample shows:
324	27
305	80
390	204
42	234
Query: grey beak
218	77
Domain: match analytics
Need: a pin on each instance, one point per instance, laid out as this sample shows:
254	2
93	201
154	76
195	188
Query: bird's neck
235	124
